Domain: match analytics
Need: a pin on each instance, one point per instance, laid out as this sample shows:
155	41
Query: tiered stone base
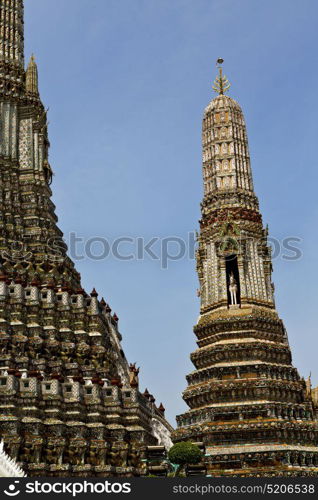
248	405
69	401
64	470
262	460
265	472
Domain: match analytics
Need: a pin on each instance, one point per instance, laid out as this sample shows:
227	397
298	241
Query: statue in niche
133	375
53	454
48	173
233	290
134	457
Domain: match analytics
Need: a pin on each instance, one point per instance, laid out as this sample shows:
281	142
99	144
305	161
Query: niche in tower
232	271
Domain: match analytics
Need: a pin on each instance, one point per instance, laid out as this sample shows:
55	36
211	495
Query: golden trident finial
221	83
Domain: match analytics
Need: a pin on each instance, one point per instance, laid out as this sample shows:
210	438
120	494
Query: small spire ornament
31	77
221	84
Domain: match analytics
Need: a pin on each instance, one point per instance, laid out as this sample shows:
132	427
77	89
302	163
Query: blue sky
126	82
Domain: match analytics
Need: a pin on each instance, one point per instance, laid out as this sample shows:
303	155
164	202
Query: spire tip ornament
221	84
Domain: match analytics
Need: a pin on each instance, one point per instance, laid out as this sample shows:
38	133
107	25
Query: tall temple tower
69	401
247	402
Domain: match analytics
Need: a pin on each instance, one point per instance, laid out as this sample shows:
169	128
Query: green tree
184	453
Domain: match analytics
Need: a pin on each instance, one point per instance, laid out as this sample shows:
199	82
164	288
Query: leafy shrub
185	453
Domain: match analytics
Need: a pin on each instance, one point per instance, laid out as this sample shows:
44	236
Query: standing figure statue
233	289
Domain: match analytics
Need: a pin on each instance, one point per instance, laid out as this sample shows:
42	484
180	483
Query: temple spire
243	377
221	84
31	77
226	161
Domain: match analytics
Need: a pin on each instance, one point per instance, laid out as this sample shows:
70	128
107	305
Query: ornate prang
247	403
31	77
